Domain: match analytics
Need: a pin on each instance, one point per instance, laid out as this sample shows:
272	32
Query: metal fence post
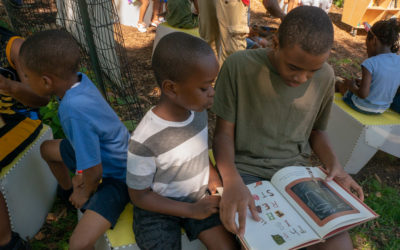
83	9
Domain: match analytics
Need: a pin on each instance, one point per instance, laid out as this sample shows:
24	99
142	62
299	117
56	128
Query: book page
325	206
280	226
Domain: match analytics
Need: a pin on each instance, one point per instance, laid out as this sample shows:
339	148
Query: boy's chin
293	84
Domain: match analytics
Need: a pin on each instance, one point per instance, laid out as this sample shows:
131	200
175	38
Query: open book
298	208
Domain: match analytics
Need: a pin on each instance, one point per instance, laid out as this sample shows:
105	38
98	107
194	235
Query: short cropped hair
176	55
51	51
308	27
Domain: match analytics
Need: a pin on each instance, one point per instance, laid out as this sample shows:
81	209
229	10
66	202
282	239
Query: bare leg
5	227
50	151
156	11
218	238
90	227
291	5
341	241
142	10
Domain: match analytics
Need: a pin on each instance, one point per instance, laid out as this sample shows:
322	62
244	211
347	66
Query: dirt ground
347	53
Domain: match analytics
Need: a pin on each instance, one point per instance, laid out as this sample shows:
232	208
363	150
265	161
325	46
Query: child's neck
169	111
64	85
382	49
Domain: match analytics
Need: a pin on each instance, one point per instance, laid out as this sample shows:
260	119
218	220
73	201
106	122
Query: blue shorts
111	195
347	99
159	231
396	103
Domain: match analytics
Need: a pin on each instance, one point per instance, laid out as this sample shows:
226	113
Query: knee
44	149
79	243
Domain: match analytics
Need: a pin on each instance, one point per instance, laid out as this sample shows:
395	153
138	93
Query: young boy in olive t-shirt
272	108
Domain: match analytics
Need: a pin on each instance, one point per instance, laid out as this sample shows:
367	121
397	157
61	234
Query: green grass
56	233
384	232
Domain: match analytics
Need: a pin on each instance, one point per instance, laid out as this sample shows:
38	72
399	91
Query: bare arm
361	88
236	196
85	185
273	8
151	201
320	144
214	180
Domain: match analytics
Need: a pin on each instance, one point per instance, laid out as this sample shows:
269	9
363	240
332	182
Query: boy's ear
169	88
48	82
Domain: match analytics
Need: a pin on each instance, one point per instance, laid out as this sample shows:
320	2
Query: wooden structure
355	12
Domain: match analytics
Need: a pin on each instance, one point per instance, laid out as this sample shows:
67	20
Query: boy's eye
204	89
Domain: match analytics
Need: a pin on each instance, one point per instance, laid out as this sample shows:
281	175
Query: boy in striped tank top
168	168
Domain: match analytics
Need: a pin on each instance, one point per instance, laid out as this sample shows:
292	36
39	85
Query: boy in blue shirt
96	143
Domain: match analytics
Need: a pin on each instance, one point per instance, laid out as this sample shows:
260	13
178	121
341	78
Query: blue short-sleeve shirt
385	71
94	130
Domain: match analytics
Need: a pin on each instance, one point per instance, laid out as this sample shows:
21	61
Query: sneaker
155	23
161	19
141	27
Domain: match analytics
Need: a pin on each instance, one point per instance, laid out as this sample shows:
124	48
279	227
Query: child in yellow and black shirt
17	129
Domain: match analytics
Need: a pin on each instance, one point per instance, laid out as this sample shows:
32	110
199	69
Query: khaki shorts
225	23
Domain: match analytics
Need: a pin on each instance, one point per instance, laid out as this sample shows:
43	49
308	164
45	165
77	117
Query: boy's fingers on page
227	216
253	210
242	219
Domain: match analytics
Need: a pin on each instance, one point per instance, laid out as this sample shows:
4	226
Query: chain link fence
95	26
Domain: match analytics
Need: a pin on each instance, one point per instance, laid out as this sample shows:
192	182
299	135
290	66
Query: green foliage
49	116
56	233
345	66
338	3
130	125
4	24
382	233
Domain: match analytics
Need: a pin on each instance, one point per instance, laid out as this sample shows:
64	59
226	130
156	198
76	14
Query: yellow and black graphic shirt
7	104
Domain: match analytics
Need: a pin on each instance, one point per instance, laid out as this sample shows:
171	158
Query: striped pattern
170	157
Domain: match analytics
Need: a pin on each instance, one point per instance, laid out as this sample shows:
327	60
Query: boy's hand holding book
341	176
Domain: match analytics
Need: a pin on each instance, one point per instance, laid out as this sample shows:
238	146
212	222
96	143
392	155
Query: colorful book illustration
299	208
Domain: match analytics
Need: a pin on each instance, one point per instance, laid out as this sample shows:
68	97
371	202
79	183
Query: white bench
29	188
356	137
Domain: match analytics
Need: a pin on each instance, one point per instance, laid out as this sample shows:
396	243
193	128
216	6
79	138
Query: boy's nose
301	77
211	92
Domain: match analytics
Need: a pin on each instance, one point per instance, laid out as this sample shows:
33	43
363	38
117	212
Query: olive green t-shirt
179	14
272	121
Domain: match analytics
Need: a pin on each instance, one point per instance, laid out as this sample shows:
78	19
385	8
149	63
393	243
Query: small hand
343	86
236	199
77	198
205	207
341	176
77	181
